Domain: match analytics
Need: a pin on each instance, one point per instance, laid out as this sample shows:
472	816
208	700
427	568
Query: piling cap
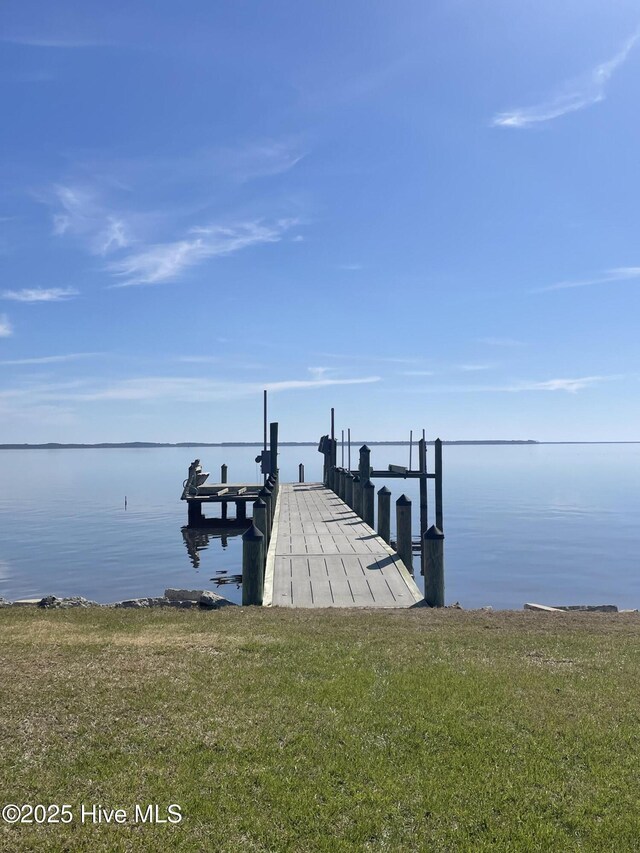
368	485
384	491
403	500
433	533
252	534
264	493
259	504
356	478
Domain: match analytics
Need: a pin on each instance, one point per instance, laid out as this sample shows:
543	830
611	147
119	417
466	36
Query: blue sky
424	214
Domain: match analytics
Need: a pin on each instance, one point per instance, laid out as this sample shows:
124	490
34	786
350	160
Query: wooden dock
321	554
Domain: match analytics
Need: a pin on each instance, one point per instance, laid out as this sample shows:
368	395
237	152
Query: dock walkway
321	554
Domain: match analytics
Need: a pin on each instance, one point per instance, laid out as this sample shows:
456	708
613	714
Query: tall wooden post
364	464
384	514
265	495
403	531
424	515
348	489
301	473
438	472
368	500
434	567
241	510
252	563
357	495
260	521
273	443
223	479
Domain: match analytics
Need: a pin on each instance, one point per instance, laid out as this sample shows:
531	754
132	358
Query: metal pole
342	443
410	446
264	441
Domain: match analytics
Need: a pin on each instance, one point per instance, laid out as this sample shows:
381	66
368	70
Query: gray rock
184	605
133	602
183	594
78	601
212	601
159	601
4	602
50	601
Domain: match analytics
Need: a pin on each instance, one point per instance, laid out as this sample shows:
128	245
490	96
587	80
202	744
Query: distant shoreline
150	445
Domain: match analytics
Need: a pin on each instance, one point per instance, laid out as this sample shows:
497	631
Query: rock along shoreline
202	599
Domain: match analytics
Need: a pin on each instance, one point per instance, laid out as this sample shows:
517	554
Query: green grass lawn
332	731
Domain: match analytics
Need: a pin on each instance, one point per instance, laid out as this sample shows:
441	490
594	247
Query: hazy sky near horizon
424	214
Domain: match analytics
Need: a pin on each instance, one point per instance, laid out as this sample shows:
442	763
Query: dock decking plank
323	555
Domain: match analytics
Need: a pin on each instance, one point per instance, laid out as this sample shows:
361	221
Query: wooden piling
301	473
223	479
260	521
364	464
438	473
348	489
433	550
252	563
265	495
357	495
273	446
241	510
424	514
368	502
384	514
194	513
403	531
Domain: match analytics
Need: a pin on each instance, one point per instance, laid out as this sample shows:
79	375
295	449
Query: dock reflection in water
197	539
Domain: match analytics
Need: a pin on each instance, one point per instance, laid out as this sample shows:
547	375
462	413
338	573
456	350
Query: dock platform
321	554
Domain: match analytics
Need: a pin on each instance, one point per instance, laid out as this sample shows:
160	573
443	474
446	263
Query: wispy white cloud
41	294
6	329
258	159
167	261
473	367
81	213
500	342
614	275
59	43
416	372
52	359
571	386
574	95
187	389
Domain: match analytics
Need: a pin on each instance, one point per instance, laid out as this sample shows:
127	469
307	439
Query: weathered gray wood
368	501
398	469
438	473
433	550
320	556
357	495
252	562
543	607
273	446
301	473
223	473
241	510
384	514
348	489
364	464
265	495
403	531
260	521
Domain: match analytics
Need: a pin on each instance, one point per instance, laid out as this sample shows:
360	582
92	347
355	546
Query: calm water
554	524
